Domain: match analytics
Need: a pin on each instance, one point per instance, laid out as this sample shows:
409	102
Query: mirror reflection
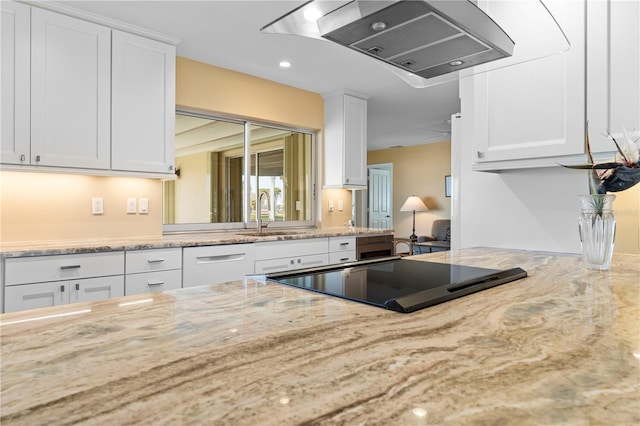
210	186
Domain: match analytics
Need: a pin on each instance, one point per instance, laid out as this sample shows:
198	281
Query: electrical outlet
131	206
144	206
330	205
97	205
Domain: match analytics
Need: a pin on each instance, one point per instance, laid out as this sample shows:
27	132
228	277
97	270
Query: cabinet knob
78	286
23	158
480	154
37	158
170	168
62	288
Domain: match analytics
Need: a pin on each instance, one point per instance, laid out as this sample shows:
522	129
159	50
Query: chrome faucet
259	210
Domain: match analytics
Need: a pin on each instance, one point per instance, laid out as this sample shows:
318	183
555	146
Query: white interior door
380	199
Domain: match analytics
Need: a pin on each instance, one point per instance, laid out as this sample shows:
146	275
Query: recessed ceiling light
312	14
455	63
285	64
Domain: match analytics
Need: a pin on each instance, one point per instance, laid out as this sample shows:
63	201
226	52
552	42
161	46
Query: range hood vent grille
427	38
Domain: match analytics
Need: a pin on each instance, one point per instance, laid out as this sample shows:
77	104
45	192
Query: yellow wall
212	89
336	217
57	207
417	170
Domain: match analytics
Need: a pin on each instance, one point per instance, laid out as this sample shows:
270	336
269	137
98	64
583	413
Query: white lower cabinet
154	270
279	256
153	282
342	249
54	293
44	281
216	264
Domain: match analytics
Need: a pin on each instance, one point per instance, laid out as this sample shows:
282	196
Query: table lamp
413	204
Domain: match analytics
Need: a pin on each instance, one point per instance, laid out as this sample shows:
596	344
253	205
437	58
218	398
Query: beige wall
336	217
417	170
208	88
47	206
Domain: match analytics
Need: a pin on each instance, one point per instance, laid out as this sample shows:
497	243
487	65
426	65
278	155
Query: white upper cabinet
345	141
534	109
143	104
80	96
613	71
70	92
16	39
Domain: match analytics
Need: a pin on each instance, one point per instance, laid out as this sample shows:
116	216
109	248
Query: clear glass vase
597	226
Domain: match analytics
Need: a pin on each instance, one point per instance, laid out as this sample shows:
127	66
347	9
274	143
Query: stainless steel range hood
426	38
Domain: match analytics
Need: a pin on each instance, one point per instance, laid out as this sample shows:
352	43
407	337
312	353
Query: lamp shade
413	204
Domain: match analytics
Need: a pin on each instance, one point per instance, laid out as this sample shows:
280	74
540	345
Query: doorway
373	208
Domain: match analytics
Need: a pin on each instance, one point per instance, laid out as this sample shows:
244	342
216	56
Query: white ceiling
227	34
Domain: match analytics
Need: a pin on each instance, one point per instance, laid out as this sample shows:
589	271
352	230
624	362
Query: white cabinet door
16	64
33	296
92	289
70	92
355	141
533	109
345	141
143	104
216	264
613	72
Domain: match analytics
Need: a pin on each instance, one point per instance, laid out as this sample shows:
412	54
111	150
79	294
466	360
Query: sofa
440	238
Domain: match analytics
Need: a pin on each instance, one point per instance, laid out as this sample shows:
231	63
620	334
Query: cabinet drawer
291	248
151	282
23	270
216	264
342	256
342	244
153	260
271	266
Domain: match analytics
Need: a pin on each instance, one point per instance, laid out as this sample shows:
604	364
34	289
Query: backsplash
56	207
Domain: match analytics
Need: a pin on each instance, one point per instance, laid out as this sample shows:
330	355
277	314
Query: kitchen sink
271	233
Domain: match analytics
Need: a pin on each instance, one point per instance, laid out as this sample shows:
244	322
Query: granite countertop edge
172	240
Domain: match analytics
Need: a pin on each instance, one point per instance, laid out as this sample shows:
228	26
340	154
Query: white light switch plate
97	205
144	206
132	207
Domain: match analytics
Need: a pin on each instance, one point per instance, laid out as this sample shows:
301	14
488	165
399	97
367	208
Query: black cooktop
402	285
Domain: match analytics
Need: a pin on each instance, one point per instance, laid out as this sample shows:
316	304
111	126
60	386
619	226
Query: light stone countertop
186	239
560	347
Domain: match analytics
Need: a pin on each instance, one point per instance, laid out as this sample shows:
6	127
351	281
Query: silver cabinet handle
77	286
37	158
23	157
344	244
221	258
62	288
155	260
150	283
63	267
344	259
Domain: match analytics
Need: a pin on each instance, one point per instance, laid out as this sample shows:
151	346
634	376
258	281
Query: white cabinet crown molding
97	19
